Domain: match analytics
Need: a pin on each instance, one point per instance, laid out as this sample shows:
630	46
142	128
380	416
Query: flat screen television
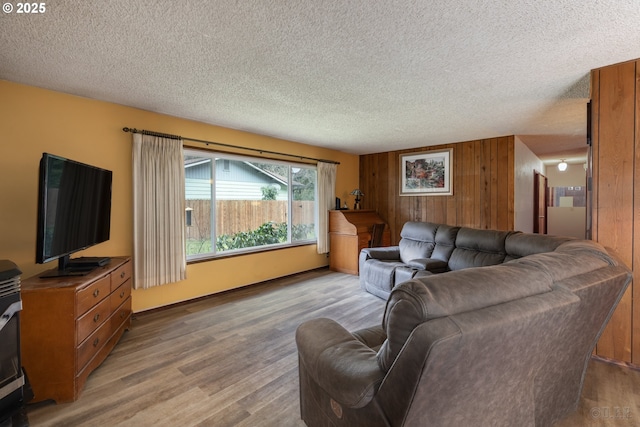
74	213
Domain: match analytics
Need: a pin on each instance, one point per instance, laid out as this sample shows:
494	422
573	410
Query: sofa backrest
474	362
426	240
445	242
478	248
440	295
463	247
519	244
529	325
420	300
417	240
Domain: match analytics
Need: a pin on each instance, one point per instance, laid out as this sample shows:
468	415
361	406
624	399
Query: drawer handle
96	293
96	341
96	317
122	275
122	314
122	294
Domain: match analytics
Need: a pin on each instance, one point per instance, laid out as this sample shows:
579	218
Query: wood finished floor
231	360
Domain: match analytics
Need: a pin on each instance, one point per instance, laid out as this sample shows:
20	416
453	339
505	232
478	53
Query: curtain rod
166	135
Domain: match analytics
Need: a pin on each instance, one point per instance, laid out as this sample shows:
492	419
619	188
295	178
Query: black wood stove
12	379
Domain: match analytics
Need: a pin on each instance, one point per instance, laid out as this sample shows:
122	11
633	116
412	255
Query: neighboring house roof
269	176
236	180
273	175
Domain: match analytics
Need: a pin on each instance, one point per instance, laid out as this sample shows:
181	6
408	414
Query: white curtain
158	211
326	202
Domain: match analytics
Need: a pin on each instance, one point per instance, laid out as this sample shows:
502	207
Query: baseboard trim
228	291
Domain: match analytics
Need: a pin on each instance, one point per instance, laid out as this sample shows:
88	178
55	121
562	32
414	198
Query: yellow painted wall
34	120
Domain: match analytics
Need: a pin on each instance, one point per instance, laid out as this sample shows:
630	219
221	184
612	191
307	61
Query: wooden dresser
350	232
69	325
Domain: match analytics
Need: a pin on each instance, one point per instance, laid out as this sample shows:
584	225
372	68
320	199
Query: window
242	204
568	197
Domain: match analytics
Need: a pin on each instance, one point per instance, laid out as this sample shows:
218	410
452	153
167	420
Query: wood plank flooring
231	360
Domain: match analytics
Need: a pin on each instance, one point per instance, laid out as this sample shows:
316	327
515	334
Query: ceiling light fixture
562	166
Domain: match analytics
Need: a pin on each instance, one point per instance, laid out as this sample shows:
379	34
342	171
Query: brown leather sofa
502	345
428	248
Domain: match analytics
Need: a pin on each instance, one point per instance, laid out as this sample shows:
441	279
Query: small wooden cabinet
69	325
349	233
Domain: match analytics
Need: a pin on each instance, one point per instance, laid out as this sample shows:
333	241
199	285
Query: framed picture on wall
428	173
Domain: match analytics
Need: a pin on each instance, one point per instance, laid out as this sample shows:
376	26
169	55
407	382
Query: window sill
248	251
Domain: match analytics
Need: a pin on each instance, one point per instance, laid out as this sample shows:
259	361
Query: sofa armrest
340	364
372	337
429	264
386	253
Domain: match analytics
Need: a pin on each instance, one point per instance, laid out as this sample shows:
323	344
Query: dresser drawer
93	294
121	314
120	275
94	342
93	318
120	295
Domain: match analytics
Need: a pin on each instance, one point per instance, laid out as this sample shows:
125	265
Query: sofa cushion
418	240
419	230
478	248
445	242
440	295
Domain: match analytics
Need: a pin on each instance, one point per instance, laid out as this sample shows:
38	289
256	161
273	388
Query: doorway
539	203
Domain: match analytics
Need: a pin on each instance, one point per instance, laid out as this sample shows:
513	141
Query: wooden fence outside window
233	216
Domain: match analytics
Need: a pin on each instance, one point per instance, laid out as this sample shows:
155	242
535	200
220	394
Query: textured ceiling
360	77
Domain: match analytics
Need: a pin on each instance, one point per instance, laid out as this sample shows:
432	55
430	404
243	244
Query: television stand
68	327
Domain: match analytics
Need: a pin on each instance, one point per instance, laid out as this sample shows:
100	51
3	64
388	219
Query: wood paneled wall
483	187
615	93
